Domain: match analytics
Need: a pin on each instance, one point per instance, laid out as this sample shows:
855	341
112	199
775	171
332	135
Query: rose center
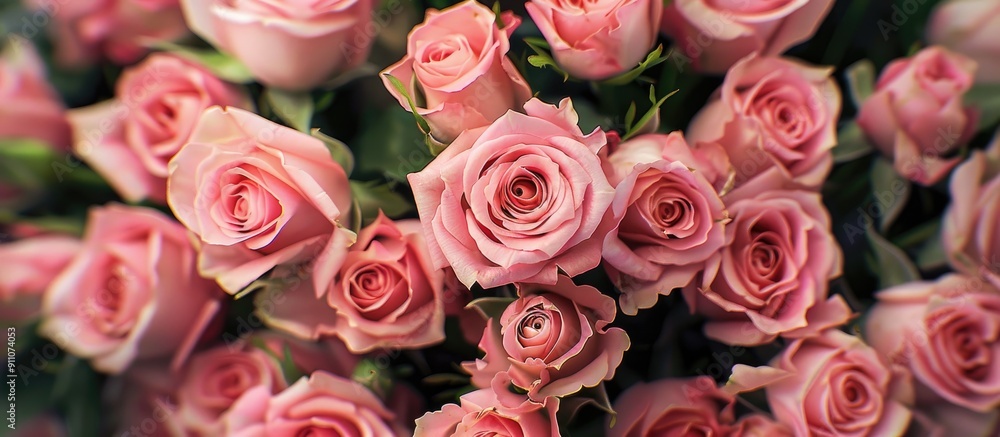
532	325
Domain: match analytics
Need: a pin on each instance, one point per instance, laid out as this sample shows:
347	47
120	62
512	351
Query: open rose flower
32	109
776	115
132	292
26	270
715	34
516	201
674	408
972	28
481	413
456	64
289	45
772	276
595	40
970	238
256	193
916	116
129	140
947	333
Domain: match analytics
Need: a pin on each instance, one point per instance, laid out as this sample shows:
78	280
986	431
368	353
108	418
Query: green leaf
892	266
220	64
390	146
26	164
338	150
861	81
654	58
635	129
851	144
597	397
630	114
446	379
434	146
889	190
374	376
295	108
490	307
985	97
496	12
542	58
287	365
421	123
373	197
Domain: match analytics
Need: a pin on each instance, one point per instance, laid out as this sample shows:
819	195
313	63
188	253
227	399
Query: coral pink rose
777	115
668	218
289	45
674	407
256	193
972	28
517	201
552	341
130	140
595	40
715	34
132	292
916	116
947	333
481	413
26	270
119	30
32	109
969	237
771	279
456	69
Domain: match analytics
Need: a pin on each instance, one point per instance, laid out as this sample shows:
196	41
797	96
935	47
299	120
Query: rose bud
481	413
32	108
969	230
972	28
27	267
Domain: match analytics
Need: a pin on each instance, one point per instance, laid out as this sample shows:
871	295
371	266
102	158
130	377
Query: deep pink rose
26	270
290	45
715	34
970	236
456	65
32	109
481	413
773	115
595	40
256	193
129	140
516	201
972	28
132	292
674	408
916	116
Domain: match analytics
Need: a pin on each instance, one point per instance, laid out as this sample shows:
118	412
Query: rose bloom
668	217
26	270
759	425
772	276
131	292
481	413
969	235
32	108
256	193
715	34
85	31
328	354
517	201
947	333
778	115
457	71
599	39
289	45
916	116
129	140
552	341
972	28
381	292
42	425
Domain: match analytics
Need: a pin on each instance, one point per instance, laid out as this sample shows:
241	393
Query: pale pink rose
26	270
457	71
759	425
947	334
916	116
517	201
32	108
972	28
132	292
130	139
674	408
944	419
256	193
121	31
552	341
321	404
772	277
328	354
773	115
290	45
595	40
481	413
969	235
715	34
668	218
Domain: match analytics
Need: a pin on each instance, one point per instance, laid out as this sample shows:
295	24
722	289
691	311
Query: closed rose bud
27	267
32	109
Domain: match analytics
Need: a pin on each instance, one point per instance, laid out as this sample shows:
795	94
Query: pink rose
916	116
456	298
517	201
26	270
256	193
119	30
290	45
43	425
668	218
32	109
674	408
972	28
132	292
328	354
595	40
969	236
481	413
456	69
321	404
759	425
947	333
715	34
771	279
552	341
130	140
773	115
